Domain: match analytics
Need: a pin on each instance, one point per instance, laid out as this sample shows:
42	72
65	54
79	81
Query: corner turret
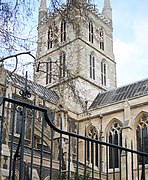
107	10
42	11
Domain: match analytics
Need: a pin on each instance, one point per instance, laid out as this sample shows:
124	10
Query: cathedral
72	121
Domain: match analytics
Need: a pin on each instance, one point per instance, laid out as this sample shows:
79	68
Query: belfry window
115	137
101	35
63	31
142	137
49	72
92	66
92	148
91	31
103	73
62	65
50	38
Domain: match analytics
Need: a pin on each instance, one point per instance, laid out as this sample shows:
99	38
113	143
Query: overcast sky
130	22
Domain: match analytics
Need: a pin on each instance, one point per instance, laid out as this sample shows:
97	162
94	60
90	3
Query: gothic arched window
92	66
49	71
92	148
19	117
63	31
101	35
103	73
50	38
91	32
142	137
62	66
115	137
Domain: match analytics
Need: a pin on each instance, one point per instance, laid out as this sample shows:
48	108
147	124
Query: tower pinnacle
43	6
107	10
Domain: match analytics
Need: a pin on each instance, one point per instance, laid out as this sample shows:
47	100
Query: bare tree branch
16	55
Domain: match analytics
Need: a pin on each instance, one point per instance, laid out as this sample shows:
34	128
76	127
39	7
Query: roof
125	92
33	87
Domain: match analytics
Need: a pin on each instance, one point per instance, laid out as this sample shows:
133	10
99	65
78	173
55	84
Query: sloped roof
125	92
33	87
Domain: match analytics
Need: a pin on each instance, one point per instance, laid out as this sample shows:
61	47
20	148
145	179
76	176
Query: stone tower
75	52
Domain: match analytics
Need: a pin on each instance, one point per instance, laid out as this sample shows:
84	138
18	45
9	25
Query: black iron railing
60	154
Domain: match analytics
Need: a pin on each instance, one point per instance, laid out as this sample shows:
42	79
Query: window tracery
142	137
92	148
91	32
92	66
101	36
49	72
115	137
62	66
50	38
63	31
103	73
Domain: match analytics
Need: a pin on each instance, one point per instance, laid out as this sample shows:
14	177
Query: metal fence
40	150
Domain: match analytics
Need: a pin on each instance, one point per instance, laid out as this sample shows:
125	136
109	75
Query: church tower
75	51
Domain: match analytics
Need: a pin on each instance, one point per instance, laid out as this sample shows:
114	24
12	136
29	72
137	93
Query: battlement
84	7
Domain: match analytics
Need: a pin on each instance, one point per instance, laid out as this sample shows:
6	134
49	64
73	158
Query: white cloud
132	57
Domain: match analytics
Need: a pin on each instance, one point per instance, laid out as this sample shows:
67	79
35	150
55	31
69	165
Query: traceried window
63	31
101	35
62	65
49	72
91	31
92	66
50	38
92	148
19	120
103	73
142	137
115	137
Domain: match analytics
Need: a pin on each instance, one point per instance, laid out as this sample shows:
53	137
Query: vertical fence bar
32	140
101	145
21	173
2	121
132	161
92	153
143	157
77	153
12	135
119	154
51	153
113	155
107	157
42	140
138	166
69	157
126	155
85	155
24	94
51	148
60	151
